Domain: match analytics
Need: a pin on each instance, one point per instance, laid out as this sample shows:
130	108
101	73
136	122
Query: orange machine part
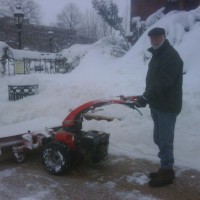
66	138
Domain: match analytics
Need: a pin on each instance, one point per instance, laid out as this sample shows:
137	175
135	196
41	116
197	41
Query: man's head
157	37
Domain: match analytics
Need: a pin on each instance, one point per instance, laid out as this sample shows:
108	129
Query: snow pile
27	80
101	76
75	51
152	19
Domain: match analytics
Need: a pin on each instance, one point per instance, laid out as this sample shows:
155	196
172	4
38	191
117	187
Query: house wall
145	8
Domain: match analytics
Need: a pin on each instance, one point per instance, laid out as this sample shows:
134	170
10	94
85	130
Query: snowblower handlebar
74	119
128	98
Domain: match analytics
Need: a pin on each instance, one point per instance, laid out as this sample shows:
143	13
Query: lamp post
50	34
19	17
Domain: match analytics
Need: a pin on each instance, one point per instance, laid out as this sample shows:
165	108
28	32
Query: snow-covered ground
101	76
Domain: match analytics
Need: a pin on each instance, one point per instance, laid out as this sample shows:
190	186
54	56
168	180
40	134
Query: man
163	93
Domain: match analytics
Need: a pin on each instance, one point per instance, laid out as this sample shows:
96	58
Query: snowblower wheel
20	157
56	158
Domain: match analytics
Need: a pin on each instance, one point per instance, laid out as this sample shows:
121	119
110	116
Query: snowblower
70	142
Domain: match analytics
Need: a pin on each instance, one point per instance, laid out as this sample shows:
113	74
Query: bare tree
30	9
70	17
92	26
88	27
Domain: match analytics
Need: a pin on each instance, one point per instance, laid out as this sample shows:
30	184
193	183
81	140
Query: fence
16	92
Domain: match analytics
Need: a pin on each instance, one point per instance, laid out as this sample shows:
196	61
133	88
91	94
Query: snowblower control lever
129	101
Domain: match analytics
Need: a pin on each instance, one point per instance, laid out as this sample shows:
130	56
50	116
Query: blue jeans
163	135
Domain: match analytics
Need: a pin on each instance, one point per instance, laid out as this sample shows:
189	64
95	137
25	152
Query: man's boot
161	178
152	175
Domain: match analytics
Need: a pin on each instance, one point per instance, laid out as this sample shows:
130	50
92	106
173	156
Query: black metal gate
16	92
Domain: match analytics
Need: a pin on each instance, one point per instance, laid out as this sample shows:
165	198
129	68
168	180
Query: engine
93	145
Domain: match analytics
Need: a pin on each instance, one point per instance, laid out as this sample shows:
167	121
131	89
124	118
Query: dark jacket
164	79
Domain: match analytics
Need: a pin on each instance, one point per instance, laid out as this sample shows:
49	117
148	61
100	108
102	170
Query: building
36	37
144	8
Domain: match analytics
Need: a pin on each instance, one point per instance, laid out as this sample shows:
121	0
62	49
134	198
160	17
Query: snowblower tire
56	158
21	157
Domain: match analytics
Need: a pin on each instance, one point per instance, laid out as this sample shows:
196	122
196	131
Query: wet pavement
118	178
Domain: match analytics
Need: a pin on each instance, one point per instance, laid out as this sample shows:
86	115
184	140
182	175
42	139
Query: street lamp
50	34
19	17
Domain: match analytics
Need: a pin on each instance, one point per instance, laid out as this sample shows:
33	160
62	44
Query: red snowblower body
70	142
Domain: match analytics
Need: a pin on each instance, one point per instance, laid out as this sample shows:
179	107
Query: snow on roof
21	54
